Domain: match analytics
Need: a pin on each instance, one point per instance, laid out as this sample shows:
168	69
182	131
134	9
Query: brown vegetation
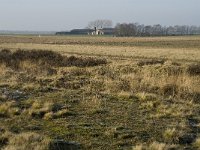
128	103
44	57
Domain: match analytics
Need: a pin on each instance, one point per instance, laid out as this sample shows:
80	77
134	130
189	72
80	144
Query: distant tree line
135	29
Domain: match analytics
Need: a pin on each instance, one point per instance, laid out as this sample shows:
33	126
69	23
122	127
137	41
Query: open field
99	93
178	48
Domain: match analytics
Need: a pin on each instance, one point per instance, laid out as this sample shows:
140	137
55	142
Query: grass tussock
197	143
170	135
4	137
193	69
154	146
43	109
9	109
26	141
150	62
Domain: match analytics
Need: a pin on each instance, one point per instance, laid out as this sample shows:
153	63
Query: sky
63	15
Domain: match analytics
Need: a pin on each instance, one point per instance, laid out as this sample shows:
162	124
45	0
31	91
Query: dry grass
153	42
155	146
194	69
146	97
189	54
9	109
29	140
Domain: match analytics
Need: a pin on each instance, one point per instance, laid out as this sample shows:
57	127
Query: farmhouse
95	31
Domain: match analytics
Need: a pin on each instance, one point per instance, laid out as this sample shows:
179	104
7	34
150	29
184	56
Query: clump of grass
160	146
96	85
150	62
36	69
124	85
59	114
48	109
64	113
116	86
75	71
29	140
193	69
169	90
148	101
3	69
5	56
169	135
49	115
138	147
82	62
4	137
196	144
172	109
171	69
2	98
109	72
157	146
39	109
143	96
149	105
154	146
92	104
8	109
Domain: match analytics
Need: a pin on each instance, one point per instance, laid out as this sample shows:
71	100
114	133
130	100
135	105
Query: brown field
173	48
99	93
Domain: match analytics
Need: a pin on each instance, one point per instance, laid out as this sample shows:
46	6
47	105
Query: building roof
86	31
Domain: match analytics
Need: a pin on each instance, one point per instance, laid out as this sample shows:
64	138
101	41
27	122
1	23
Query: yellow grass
115	51
143	98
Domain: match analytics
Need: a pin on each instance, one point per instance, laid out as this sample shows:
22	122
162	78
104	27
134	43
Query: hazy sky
56	15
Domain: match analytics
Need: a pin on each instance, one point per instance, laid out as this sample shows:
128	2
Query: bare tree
157	30
135	29
125	29
100	24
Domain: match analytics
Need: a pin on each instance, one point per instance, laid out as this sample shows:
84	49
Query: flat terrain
180	48
99	92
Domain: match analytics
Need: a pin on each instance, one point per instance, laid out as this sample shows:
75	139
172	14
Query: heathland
99	92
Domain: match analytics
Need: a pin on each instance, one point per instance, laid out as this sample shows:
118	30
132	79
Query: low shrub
193	69
45	57
150	62
169	90
82	62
